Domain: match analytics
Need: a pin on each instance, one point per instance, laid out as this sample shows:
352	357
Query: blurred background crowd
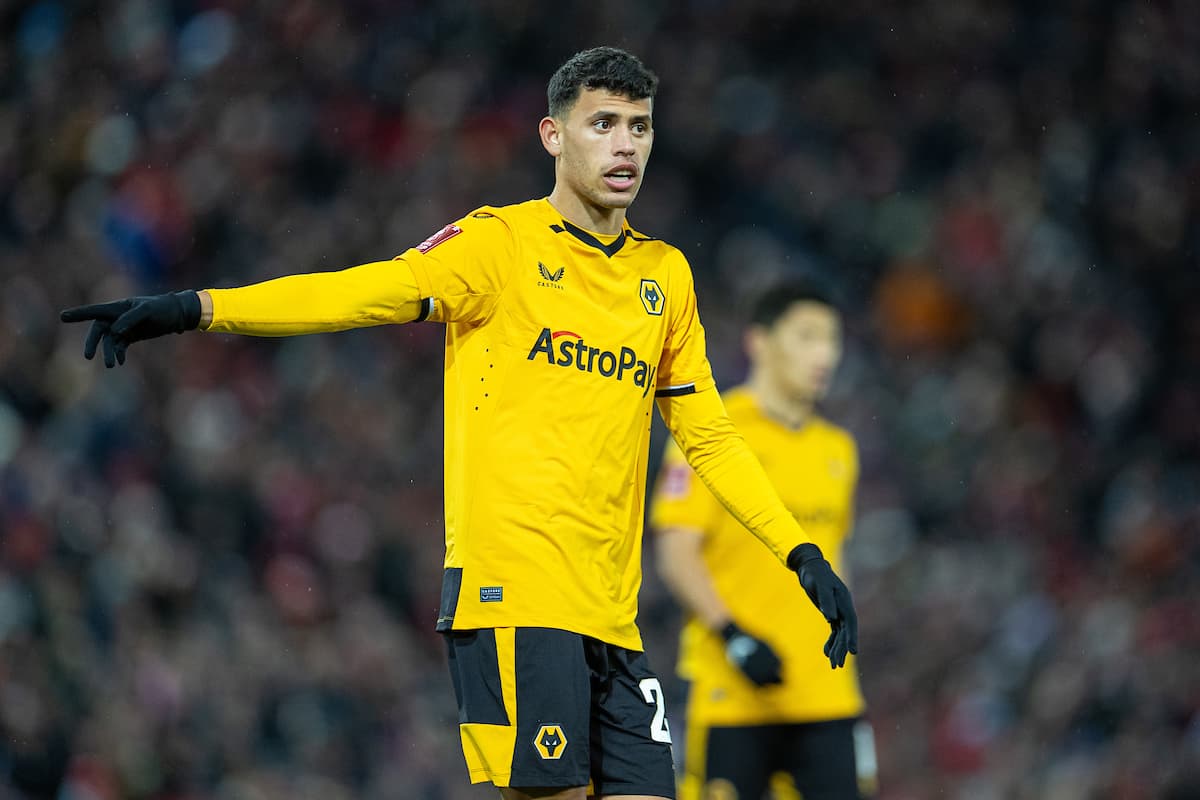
219	565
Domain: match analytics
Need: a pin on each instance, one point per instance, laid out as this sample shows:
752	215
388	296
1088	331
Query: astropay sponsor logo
568	349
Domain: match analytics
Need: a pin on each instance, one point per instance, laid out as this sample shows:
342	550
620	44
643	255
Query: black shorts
539	707
832	760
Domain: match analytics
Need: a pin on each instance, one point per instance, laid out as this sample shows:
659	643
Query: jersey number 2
653	694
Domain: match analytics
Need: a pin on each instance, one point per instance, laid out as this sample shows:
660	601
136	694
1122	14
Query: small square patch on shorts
491	594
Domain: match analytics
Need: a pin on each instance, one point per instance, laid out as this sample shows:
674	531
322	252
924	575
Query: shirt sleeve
379	293
683	368
680	498
720	456
462	269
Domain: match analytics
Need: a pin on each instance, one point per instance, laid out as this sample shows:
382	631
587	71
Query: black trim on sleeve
676	391
451	586
426	309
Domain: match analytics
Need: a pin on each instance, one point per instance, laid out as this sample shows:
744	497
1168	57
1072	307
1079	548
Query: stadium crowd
220	564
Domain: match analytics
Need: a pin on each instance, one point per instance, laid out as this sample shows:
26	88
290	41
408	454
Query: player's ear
551	134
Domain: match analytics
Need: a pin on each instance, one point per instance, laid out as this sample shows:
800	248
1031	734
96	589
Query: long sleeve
378	293
719	455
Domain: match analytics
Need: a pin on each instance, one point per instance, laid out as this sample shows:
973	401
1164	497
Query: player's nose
622	142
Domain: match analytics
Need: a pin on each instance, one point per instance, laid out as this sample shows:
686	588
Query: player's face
602	147
801	350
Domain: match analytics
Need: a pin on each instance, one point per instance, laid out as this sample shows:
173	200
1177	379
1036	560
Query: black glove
831	597
123	322
752	656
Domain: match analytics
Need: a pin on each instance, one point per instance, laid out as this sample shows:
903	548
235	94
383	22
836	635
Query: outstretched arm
378	293
716	451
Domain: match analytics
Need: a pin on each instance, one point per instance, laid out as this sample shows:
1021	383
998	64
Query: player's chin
623	199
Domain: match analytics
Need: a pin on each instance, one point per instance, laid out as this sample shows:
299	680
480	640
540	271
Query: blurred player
764	708
564	325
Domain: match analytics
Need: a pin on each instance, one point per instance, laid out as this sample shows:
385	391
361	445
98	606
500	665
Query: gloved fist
831	597
752	656
120	323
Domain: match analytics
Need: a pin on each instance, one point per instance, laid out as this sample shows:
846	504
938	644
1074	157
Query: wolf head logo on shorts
550	742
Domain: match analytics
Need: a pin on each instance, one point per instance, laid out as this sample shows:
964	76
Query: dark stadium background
219	565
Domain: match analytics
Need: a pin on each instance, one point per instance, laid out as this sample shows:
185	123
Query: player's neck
785	408
593	218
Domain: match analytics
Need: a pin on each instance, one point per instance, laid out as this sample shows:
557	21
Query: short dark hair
774	302
599	68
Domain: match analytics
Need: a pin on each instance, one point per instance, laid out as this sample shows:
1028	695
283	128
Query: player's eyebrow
604	114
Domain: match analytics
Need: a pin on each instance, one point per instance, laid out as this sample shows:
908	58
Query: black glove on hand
831	597
123	322
752	656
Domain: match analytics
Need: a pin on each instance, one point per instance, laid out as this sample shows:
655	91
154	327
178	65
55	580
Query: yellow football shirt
814	469
557	341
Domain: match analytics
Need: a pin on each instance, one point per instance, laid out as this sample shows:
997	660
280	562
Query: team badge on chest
652	297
